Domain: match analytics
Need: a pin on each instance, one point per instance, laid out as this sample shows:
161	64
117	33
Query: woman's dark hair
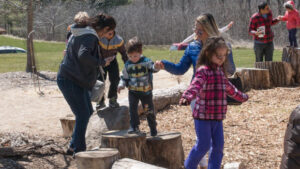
262	5
101	21
209	49
134	45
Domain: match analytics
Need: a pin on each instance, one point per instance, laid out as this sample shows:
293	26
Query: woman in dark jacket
291	155
79	70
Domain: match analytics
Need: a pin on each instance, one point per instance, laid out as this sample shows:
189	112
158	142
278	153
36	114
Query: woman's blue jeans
80	103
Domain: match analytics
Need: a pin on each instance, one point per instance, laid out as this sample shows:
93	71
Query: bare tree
30	66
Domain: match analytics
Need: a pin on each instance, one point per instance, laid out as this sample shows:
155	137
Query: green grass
49	55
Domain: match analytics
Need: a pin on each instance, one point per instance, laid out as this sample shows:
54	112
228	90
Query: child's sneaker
100	105
113	103
133	130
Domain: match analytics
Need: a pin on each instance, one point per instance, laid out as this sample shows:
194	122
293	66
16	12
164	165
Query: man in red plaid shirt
260	29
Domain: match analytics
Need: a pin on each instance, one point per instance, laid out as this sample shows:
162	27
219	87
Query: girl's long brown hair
209	49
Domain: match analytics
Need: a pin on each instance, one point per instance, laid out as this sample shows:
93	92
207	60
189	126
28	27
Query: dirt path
22	109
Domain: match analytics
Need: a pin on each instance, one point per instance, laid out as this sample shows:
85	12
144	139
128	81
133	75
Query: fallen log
254	78
292	56
281	73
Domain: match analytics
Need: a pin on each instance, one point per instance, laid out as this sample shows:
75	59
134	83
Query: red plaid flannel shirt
210	88
258	20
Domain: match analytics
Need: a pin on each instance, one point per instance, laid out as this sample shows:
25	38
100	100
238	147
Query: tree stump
164	150
67	124
129	145
281	73
101	159
292	56
127	163
253	78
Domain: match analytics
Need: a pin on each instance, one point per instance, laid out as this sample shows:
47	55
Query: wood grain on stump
100	159
292	55
129	145
127	163
254	78
164	150
281	73
67	124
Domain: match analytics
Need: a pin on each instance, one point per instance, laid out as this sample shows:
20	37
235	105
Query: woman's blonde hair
81	18
209	25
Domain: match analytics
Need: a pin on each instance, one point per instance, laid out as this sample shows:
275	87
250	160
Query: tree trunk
281	73
292	55
254	78
165	150
101	159
67	124
132	164
129	145
30	66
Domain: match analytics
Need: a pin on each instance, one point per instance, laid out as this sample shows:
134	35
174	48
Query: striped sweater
138	76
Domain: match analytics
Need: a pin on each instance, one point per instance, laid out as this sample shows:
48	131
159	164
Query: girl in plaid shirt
210	87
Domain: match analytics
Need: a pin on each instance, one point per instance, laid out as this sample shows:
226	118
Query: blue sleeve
231	65
181	67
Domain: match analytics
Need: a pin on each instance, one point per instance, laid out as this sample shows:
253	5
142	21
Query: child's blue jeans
80	103
292	37
209	133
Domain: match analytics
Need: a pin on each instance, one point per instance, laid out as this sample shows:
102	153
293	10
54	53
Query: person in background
292	20
260	29
110	46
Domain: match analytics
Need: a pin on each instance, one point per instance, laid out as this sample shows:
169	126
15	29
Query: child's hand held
183	102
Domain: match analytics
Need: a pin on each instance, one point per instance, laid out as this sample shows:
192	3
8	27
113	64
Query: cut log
253	78
129	145
164	150
104	120
281	73
292	55
234	165
101	159
127	163
67	124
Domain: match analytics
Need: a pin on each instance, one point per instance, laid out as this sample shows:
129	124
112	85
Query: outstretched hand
159	64
183	102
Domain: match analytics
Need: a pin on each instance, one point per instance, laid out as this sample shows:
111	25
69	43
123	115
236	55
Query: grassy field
49	55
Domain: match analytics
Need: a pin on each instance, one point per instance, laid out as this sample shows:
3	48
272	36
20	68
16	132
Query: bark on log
161	98
281	73
67	124
164	150
101	159
129	145
127	163
292	55
253	78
